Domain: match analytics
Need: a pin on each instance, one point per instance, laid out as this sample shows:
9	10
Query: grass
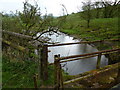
20	74
100	29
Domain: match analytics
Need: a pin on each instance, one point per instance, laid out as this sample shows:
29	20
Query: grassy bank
20	74
100	29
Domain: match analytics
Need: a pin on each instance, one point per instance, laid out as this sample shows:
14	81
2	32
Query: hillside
100	29
103	28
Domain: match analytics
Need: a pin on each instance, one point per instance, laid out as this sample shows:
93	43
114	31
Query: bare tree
97	8
86	14
64	8
62	19
109	7
29	17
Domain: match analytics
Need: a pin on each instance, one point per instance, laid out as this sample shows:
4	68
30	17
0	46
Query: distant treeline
103	9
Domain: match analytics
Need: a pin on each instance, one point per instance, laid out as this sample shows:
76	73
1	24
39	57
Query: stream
74	67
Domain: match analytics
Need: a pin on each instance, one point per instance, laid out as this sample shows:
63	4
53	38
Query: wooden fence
20	43
43	55
58	71
59	83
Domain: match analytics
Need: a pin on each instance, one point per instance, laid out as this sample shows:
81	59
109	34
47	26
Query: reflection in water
74	67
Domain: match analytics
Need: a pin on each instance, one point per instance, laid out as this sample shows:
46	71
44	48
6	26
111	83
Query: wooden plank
18	47
68	60
111	67
83	42
75	56
17	35
26	37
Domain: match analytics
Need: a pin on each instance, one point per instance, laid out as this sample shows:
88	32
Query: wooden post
44	62
35	81
118	74
61	77
56	70
58	73
98	61
109	59
39	63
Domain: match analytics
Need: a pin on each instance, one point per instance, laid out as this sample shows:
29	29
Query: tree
48	20
29	17
97	9
86	14
10	22
62	19
109	7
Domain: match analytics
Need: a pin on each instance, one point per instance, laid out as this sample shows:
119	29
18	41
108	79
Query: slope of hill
100	29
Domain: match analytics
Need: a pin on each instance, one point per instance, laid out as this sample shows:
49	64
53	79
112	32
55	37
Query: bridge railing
19	47
57	60
10	38
59	83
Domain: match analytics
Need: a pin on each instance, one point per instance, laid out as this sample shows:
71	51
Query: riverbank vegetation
100	29
21	74
95	22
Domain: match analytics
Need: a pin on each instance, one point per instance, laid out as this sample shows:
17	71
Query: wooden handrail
18	35
18	47
88	54
82	42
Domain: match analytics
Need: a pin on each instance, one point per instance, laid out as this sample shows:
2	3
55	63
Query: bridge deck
99	78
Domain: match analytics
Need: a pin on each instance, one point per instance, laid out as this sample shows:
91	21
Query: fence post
44	62
109	59
118	74
58	73
35	81
98	61
39	63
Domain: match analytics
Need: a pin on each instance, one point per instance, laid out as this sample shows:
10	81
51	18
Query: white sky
53	6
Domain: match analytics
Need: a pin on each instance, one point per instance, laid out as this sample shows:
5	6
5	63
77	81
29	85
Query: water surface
74	67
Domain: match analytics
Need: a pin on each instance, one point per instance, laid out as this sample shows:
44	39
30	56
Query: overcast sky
53	6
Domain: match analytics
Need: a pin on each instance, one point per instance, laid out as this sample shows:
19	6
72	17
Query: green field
100	29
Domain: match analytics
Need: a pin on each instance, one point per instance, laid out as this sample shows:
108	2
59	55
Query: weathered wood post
98	61
109	59
118	74
35	81
39	62
58	72
44	62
